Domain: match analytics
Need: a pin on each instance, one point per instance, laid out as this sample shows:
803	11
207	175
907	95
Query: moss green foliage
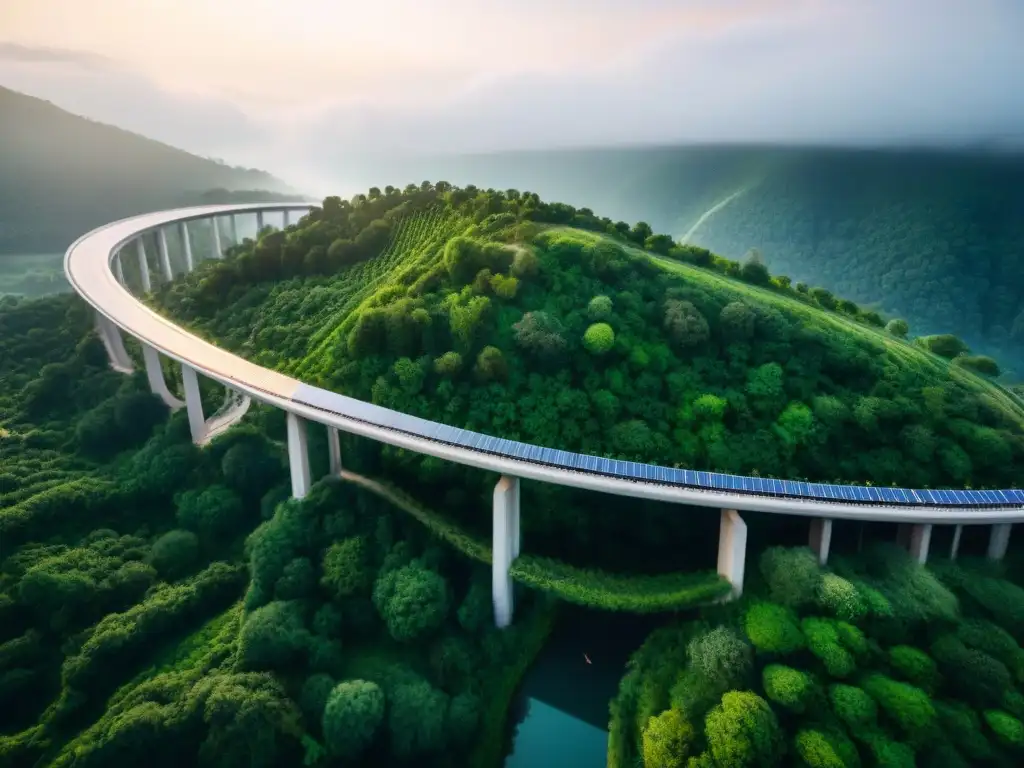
915	666
909	708
840	598
823	640
353	713
1008	730
668	740
720	655
853	707
817	750
599	338
773	628
788	687
743	731
792	575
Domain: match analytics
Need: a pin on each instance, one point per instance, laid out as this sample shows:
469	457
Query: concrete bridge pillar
234	229
916	537
732	550
505	547
259	223
821	538
998	541
155	376
193	403
218	249
113	342
334	450
189	265
298	456
955	547
165	256
143	265
287	214
118	268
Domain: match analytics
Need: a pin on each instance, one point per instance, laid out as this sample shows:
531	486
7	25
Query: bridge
95	267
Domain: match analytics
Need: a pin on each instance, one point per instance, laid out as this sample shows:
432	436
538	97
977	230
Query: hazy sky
273	82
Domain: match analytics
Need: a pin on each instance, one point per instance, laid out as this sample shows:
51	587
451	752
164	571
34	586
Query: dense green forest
933	236
164	604
874	661
62	175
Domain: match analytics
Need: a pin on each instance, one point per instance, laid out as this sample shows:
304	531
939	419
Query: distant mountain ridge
62	175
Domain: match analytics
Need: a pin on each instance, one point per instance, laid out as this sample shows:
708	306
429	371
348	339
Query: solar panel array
651	473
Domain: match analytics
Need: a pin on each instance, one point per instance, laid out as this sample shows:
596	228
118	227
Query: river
559	717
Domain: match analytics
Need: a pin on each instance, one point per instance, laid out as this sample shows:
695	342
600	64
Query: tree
660	244
898	328
599	308
540	334
754	270
213	512
599	338
174	554
943	344
273	636
345	567
352	717
736	321
685	325
412	600
448	364
720	655
491	365
668	740
743	731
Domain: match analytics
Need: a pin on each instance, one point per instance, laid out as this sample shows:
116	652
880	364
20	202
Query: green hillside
500	313
62	175
933	236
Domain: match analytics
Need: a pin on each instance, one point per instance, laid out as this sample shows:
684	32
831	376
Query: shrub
273	636
599	338
353	714
792	575
213	512
943	344
851	638
448	364
975	676
823	641
898	328
773	628
736	321
1002	600
599	308
908	707
668	740
788	687
962	726
693	694
1008	730
174	554
993	640
720	655
854	707
888	753
345	570
915	666
982	364
841	598
817	751
412	600
743	731
877	604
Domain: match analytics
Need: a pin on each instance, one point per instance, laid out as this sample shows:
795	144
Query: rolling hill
62	175
933	236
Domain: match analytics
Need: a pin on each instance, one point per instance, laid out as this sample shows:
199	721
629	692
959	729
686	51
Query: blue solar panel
791	487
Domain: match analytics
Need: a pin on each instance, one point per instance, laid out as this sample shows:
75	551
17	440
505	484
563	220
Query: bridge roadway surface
87	264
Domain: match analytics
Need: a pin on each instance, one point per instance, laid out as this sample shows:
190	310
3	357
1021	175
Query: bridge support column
732	550
920	538
259	223
118	268
143	266
955	548
287	214
155	376
218	249
334	450
110	335
298	456
189	266
505	547
193	403
821	538
998	541
234	229
165	257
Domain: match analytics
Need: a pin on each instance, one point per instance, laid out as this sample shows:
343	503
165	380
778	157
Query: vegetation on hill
499	313
932	236
62	175
875	661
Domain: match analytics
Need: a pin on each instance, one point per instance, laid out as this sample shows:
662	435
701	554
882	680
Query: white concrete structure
954	548
334	450
920	538
821	538
155	376
140	248
165	257
505	547
88	268
732	550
